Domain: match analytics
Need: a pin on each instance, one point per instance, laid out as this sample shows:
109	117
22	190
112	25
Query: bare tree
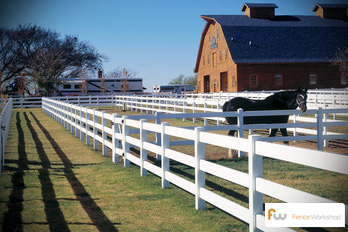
103	88
341	60
84	83
21	84
43	55
124	82
118	73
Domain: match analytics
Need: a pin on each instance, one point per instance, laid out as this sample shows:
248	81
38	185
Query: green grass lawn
53	181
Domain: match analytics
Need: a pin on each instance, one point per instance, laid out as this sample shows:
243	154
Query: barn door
207	84
223	82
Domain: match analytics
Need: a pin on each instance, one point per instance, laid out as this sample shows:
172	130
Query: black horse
283	100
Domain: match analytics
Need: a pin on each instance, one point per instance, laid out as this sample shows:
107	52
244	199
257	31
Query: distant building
173	88
264	51
74	86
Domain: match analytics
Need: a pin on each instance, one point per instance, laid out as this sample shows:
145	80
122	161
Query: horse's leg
284	133
231	132
273	132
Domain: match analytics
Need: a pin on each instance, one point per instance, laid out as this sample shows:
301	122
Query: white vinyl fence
5	119
333	98
94	126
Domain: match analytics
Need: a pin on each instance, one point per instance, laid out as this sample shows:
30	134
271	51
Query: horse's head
301	99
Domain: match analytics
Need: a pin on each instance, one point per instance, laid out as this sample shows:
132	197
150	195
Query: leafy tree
182	80
178	80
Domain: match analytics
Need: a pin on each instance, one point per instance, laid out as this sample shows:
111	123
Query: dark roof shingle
283	38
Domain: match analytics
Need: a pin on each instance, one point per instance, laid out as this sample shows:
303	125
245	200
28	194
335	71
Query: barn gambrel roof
282	39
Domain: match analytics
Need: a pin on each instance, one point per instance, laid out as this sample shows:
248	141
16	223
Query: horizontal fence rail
114	132
5	119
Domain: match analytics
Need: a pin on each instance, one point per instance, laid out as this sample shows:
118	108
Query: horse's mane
281	95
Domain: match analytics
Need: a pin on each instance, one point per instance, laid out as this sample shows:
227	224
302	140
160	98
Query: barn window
66	86
208	59
253	82
220	55
226	54
214	59
313	79
278	80
78	86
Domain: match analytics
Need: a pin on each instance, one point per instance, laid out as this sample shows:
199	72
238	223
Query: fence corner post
255	171
199	175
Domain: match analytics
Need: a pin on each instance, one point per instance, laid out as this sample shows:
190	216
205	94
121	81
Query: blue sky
158	39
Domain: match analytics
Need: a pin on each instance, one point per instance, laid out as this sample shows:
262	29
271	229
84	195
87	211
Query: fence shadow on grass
97	216
54	214
13	216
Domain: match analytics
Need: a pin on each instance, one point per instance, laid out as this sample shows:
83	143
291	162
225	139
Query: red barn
264	51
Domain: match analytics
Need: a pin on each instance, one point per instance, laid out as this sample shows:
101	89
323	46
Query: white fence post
218	109
194	110
205	110
184	107
164	160
199	175
255	171
115	142
158	135
125	145
240	123
68	116
320	129
65	107
143	152
82	135
95	130
325	128
87	127
104	136
2	143
76	122
294	129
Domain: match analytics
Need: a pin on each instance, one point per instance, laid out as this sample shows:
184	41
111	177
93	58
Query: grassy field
53	181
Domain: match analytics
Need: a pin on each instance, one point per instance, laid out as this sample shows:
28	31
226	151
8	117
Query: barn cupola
259	10
331	11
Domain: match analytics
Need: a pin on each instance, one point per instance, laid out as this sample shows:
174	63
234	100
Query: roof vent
331	11
259	10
